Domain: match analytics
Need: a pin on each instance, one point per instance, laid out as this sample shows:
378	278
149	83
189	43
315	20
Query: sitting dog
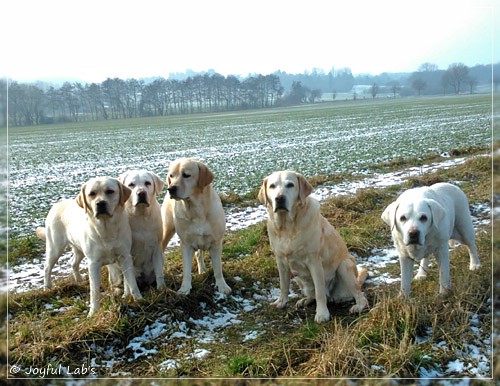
193	209
95	225
423	221
144	214
306	244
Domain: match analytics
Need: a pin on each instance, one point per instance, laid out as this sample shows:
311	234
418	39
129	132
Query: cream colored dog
144	215
94	225
423	221
193	209
305	243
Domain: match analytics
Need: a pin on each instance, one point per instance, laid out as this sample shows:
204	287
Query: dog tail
40	233
362	276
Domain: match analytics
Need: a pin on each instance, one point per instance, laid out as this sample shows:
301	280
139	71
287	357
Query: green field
204	335
50	162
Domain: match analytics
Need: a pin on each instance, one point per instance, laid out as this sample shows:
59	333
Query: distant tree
394	86
374	90
314	94
472	82
428	67
456	75
298	93
418	85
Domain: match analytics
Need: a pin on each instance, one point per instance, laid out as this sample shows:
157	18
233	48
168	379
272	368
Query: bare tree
472	81
456	75
394	86
374	90
418	85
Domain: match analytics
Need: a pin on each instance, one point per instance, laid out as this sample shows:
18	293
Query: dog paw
302	303
358	308
322	317
279	303
184	290
224	288
421	276
160	286
474	267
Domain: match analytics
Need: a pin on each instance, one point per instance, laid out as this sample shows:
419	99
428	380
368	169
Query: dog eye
402	218
147	183
272	186
92	194
185	175
131	185
290	185
423	218
109	191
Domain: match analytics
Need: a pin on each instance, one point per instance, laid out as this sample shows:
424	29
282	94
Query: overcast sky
92	40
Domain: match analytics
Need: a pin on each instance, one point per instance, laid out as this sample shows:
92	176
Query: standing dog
193	209
423	221
94	225
144	215
305	243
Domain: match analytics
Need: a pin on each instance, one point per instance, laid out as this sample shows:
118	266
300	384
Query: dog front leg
95	282
216	255
318	276
158	264
285	276
406	265
130	285
422	269
443	260
187	266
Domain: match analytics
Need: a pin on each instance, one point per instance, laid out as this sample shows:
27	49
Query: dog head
101	196
145	186
413	219
283	190
187	178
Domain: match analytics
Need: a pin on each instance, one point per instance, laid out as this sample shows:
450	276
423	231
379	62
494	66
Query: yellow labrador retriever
306	244
423	221
144	213
94	225
193	209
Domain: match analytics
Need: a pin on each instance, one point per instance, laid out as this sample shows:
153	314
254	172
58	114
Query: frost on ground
195	336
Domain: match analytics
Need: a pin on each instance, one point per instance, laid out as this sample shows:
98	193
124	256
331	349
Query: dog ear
305	188
81	199
158	183
122	177
262	196
205	176
125	193
389	214
437	212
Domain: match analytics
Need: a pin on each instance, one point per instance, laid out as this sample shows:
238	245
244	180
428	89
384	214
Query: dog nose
142	196
280	202
172	190
414	236
101	207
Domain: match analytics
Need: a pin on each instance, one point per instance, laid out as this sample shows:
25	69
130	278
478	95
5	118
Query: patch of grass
244	366
25	249
394	339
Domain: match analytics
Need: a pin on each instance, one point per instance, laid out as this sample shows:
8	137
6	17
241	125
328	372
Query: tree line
30	104
114	98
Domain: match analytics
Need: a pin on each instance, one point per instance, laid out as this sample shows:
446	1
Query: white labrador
94	225
306	244
144	215
193	209
423	221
